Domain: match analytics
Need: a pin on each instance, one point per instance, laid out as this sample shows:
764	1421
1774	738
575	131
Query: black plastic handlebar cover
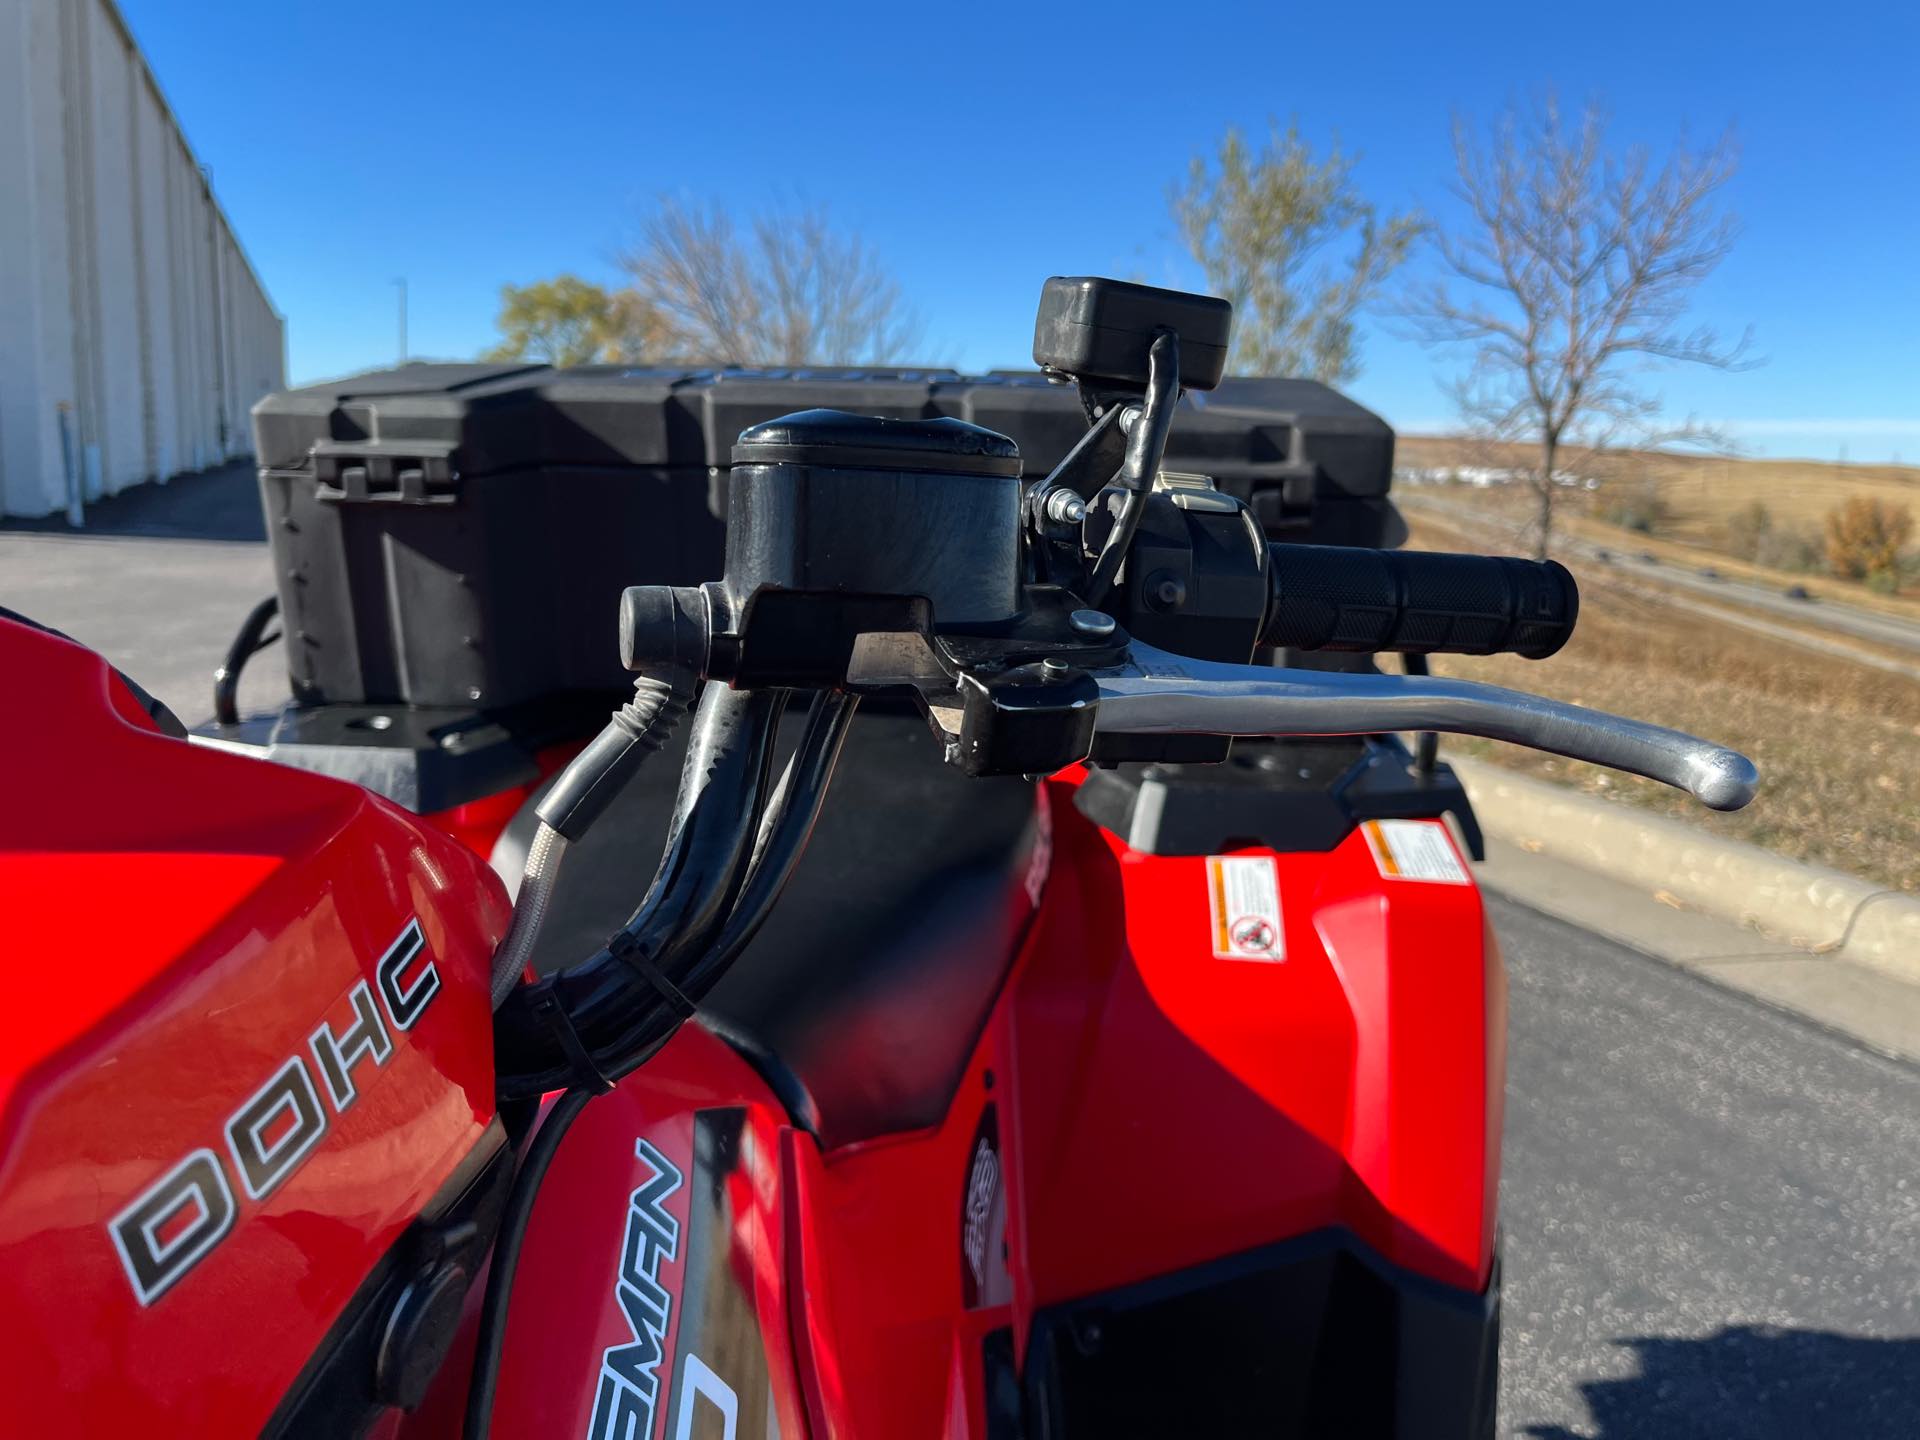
1417	602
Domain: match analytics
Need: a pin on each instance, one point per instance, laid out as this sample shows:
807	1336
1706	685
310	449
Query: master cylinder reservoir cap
822	500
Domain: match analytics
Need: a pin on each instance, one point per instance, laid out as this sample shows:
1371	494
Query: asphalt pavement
1824	614
1711	1208
158	583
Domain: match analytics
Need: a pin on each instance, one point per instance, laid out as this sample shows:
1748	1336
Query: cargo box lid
1297	439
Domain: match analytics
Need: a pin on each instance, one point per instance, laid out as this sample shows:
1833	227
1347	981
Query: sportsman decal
702	1389
629	1390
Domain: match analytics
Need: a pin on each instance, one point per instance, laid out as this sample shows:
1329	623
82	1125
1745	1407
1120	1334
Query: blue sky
981	147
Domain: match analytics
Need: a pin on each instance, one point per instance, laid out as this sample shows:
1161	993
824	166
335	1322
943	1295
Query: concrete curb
1822	911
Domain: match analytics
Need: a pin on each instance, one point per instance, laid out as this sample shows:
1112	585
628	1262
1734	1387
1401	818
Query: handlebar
1331	597
869	555
1157	693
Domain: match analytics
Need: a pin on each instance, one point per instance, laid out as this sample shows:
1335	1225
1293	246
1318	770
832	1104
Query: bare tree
1290	240
792	290
1570	281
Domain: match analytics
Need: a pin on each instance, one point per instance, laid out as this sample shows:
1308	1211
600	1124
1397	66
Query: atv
1063	1004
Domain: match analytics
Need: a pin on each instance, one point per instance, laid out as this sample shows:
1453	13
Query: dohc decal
178	1220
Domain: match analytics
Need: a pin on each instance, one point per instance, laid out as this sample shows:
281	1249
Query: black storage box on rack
459	535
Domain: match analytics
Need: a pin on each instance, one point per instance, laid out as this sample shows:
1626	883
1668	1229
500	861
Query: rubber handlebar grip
1416	602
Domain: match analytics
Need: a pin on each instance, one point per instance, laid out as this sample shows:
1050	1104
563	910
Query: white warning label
1415	850
1245	891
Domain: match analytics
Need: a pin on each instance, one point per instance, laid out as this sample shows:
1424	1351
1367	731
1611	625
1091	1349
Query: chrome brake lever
1158	693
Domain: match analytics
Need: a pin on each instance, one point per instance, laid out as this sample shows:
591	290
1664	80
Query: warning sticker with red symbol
1245	891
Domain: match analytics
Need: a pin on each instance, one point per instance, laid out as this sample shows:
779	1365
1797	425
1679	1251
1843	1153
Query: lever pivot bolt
1096	624
1066	508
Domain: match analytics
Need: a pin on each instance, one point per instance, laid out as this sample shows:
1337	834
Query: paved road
1824	643
158	583
1712	1210
1826	614
162	610
1833	616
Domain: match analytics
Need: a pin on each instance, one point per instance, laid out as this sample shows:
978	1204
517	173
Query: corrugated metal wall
134	335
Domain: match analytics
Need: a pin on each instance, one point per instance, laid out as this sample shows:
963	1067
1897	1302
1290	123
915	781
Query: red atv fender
1143	1117
247	1044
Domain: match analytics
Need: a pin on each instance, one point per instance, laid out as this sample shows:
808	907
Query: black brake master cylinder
840	525
824	501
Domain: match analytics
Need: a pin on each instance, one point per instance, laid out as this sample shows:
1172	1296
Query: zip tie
586	1074
631	953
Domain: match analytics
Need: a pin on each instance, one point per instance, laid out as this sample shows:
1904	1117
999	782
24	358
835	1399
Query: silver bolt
1066	508
1095	623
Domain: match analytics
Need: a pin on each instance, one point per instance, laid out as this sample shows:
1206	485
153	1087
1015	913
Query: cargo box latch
385	472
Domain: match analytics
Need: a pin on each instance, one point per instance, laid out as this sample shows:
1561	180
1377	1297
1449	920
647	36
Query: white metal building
134	335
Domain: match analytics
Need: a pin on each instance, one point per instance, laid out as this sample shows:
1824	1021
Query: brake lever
1158	693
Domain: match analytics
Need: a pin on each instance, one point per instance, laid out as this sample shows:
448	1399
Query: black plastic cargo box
460	534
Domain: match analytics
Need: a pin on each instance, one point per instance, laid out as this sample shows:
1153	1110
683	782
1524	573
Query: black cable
506	1257
790	825
787	827
610	1006
784	836
637	730
721	742
251	640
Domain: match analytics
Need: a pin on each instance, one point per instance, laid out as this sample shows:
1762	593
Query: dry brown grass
1838	744
1702	491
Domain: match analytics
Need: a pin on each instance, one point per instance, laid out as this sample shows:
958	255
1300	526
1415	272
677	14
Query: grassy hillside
1702	491
1838	744
1699	493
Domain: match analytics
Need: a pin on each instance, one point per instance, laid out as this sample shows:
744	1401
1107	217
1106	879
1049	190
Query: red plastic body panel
477	823
1156	1108
1159	1108
1355	1083
193	921
181	922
